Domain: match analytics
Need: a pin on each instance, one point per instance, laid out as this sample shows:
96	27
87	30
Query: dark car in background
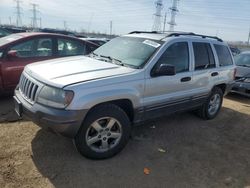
235	51
98	41
18	50
12	30
242	84
4	32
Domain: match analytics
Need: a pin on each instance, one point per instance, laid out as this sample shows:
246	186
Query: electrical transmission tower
174	10
18	13
157	20
34	12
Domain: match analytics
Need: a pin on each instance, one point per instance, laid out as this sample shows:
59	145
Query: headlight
55	97
247	80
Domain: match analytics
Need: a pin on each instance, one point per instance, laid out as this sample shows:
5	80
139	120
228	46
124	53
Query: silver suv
143	75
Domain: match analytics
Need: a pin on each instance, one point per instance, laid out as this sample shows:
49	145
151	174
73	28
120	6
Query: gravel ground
199	153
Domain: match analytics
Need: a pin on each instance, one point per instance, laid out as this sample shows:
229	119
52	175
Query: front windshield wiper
93	54
118	62
112	59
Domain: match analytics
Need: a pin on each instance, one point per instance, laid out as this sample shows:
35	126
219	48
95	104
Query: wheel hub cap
104	134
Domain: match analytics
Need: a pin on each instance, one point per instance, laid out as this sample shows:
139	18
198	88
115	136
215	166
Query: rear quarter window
223	54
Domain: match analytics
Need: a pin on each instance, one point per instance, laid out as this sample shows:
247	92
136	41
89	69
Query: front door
167	94
24	53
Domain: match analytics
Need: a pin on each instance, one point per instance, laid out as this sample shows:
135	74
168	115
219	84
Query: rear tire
104	133
211	108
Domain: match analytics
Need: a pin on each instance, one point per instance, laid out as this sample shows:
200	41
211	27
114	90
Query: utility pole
248	41
174	10
40	20
10	20
34	12
157	14
165	20
110	27
18	13
65	25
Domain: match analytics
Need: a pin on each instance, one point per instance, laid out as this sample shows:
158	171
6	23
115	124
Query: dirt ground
198	153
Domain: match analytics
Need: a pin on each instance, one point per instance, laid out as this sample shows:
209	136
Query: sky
228	19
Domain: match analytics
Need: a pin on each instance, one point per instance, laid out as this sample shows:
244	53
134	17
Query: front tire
104	133
211	108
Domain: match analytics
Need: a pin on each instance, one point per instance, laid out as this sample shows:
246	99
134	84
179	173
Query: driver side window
177	55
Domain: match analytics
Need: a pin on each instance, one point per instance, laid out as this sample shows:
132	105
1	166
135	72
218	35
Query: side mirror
163	70
12	54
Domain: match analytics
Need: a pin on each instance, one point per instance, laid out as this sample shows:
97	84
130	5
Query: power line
174	10
157	20
18	13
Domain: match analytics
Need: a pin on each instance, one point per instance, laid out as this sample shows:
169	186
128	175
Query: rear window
9	38
223	54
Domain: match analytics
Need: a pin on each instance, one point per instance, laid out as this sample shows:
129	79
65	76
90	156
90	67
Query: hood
242	71
65	71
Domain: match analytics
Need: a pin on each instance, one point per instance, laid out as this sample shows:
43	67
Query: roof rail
193	34
137	32
176	34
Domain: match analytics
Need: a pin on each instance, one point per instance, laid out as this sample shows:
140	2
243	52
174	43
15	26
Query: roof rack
137	32
193	34
176	34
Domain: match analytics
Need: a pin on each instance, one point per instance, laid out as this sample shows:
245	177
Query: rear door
226	64
205	73
27	52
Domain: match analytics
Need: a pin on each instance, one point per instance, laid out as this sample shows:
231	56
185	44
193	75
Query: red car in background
18	50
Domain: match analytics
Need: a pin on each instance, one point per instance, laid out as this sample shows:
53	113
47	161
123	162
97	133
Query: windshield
129	51
242	60
9	38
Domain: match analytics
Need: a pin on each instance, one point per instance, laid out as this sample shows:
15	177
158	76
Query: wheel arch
125	104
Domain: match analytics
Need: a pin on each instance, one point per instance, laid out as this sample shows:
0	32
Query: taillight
234	73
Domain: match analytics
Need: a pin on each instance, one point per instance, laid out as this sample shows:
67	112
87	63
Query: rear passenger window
223	55
90	47
70	47
203	55
177	55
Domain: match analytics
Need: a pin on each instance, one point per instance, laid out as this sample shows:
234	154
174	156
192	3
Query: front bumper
64	122
242	88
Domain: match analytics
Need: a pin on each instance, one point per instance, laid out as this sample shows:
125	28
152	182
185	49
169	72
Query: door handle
185	79
215	74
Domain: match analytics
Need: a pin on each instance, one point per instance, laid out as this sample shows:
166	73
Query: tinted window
90	47
203	56
70	47
177	55
24	49
44	47
34	48
223	55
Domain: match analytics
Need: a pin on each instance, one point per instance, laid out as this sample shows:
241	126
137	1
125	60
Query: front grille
28	88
